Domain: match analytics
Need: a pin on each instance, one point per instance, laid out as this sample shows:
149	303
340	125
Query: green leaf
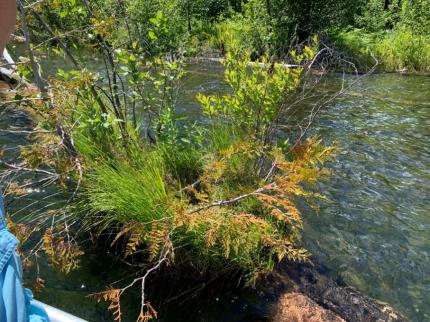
152	35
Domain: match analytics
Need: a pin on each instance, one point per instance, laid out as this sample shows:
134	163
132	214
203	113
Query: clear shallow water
373	231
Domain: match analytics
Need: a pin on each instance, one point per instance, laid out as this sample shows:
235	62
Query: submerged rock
297	307
310	294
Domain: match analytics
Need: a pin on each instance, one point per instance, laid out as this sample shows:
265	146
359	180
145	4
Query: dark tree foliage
306	17
259	26
237	5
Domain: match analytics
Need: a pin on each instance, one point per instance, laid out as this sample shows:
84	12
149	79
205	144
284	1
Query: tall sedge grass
240	33
182	160
125	193
396	50
401	49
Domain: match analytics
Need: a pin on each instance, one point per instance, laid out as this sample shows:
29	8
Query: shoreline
217	60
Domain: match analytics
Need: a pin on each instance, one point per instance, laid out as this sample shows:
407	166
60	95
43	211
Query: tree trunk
269	8
386	4
189	15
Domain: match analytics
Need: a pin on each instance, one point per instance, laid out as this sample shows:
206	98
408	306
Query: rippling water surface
374	230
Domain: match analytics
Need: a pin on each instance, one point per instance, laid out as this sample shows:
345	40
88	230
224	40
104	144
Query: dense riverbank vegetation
394	33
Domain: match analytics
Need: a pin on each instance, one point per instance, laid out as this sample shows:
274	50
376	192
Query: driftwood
219	61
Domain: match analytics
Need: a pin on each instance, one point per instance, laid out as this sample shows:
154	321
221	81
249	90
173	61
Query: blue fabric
16	303
35	312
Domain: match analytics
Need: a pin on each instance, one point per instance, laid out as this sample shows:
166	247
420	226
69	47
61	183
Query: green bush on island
170	190
197	190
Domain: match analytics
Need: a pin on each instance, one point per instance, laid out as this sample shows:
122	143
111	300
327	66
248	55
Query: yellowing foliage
61	253
251	237
112	295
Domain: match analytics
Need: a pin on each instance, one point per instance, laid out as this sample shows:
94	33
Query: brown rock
324	289
297	307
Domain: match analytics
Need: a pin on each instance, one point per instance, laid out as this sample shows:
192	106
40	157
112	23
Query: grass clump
399	49
124	192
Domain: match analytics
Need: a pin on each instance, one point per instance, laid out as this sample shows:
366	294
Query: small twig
23	168
269	174
33	4
315	110
221	203
25	131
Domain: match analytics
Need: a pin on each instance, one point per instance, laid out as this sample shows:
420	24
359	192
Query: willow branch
35	67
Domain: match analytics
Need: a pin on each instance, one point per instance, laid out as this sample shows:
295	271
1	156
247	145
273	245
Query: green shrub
415	15
258	92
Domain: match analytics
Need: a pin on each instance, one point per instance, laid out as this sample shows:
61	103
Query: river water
374	229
